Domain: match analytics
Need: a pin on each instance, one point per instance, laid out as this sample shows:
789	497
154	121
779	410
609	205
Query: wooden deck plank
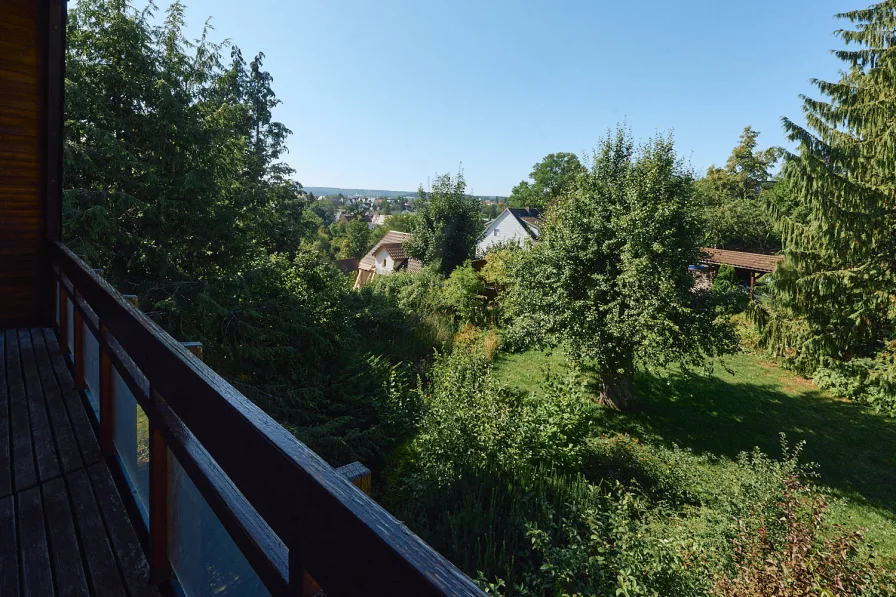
9	552
68	570
24	471
5	460
59	535
122	534
67	447
101	567
84	434
35	558
41	436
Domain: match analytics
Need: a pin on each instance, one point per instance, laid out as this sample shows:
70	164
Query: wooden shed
749	266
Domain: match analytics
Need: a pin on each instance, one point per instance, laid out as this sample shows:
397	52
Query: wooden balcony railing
184	438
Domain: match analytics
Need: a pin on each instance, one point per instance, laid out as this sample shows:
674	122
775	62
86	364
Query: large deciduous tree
736	217
552	178
608	280
833	298
172	170
447	224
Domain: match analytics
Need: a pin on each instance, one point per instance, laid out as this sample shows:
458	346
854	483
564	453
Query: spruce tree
834	298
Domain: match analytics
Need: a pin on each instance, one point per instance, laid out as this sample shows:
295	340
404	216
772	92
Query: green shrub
730	296
462	295
534	531
788	550
726	273
871	381
471	420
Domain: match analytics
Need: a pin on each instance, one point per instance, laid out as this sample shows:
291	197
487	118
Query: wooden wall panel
21	162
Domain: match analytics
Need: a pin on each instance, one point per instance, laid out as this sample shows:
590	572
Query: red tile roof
756	262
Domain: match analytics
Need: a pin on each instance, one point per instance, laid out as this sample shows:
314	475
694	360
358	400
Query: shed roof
756	262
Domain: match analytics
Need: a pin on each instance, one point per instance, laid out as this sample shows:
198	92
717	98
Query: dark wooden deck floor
63	527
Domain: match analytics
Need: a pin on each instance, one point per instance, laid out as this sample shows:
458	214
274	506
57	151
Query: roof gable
393	237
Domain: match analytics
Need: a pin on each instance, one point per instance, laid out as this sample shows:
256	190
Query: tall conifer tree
834	298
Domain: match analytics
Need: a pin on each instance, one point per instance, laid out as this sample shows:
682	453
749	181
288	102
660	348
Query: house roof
395	251
756	262
412	266
528	218
392	237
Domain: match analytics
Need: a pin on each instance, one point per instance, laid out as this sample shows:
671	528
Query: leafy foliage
833	296
552	178
734	207
524	493
787	553
608	279
174	185
446	226
731	297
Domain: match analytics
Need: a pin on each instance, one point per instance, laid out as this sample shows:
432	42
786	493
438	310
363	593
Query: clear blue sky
383	94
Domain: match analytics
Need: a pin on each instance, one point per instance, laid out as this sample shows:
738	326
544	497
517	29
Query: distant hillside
321	191
363	192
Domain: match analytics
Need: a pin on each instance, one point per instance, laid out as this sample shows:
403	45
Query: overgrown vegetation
537	494
510	462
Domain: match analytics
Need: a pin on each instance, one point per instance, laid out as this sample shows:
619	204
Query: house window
496	232
384	262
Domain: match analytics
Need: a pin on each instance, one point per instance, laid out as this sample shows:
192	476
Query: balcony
130	466
127	466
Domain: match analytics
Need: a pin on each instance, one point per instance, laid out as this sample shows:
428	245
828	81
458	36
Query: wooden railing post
195	348
107	405
78	337
63	317
159	565
360	476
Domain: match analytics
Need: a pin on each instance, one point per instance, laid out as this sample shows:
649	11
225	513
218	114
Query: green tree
462	295
357	239
608	280
736	217
832	298
446	225
552	178
171	155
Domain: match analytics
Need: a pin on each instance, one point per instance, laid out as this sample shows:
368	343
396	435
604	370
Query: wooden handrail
345	540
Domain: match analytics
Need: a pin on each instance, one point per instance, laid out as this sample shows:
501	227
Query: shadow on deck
63	526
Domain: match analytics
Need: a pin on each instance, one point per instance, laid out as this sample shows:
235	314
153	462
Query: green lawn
729	412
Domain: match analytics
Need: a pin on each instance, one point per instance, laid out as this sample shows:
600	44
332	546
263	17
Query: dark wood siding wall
21	163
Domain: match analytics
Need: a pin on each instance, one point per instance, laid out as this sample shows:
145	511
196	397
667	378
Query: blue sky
384	94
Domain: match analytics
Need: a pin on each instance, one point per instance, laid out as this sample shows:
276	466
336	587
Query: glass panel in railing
71	326
130	434
92	369
203	556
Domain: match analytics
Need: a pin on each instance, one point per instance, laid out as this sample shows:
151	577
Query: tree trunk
616	389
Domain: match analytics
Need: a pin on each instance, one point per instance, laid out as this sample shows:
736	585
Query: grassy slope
729	412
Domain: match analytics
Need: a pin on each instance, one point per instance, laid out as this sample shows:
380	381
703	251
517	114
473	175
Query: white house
385	258
514	225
